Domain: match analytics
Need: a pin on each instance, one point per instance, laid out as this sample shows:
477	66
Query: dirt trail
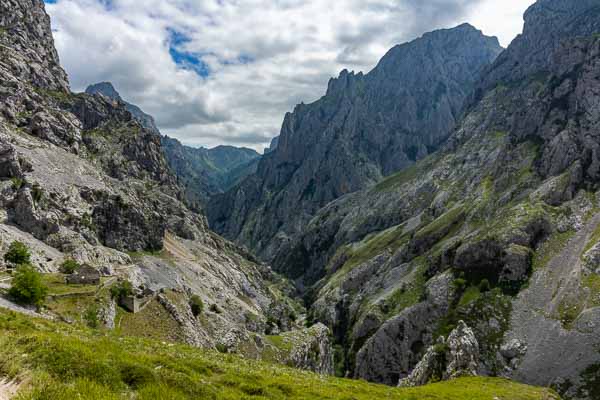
176	249
8	389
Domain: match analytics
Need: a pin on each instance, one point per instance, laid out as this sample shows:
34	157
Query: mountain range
432	225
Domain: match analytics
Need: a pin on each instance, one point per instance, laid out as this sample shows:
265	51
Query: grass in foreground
70	362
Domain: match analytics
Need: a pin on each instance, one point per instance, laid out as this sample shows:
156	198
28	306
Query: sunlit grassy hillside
58	361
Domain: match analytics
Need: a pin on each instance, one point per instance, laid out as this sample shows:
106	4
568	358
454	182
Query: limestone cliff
364	128
496	228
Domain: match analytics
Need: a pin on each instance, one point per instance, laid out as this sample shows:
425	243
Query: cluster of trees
27	284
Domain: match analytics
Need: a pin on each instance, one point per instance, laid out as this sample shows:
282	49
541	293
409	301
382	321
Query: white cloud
264	56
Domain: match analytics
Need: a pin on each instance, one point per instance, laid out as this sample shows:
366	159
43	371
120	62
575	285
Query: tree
197	305
18	253
123	289
28	287
69	266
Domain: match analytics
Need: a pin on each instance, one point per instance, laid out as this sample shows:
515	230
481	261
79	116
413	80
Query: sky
216	72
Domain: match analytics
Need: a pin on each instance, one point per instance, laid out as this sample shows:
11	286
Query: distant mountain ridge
207	172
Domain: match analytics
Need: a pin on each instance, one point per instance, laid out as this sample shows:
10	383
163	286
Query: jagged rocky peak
272	145
107	89
364	128
547	24
25	28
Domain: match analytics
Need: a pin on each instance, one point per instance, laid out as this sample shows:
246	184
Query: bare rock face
9	162
547	24
429	368
315	351
107	89
457	356
364	128
25	27
463	353
394	348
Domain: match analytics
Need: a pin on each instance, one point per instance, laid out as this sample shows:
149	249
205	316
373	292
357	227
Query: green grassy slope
58	361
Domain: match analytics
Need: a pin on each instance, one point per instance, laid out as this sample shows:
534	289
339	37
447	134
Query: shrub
215	308
27	286
123	289
17	183
460	284
196	305
37	193
69	266
221	348
18	254
484	286
91	317
293	317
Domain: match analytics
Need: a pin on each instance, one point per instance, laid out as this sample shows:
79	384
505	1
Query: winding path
8	389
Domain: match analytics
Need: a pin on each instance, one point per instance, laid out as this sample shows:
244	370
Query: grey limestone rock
456	356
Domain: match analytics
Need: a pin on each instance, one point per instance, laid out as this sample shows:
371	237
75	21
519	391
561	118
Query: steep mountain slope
364	128
202	172
499	228
81	178
207	172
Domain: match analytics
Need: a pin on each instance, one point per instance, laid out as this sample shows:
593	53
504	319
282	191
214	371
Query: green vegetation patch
27	286
470	295
153	322
71	308
407	174
568	311
443	225
369	248
18	253
593	240
63	362
407	295
57	286
592	283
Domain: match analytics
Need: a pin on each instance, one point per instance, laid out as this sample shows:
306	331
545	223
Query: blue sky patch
185	59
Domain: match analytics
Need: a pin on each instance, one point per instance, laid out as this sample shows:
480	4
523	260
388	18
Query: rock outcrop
201	172
364	128
314	352
455	357
25	26
108	90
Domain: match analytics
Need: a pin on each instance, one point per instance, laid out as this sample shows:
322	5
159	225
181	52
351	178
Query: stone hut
86	275
137	302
